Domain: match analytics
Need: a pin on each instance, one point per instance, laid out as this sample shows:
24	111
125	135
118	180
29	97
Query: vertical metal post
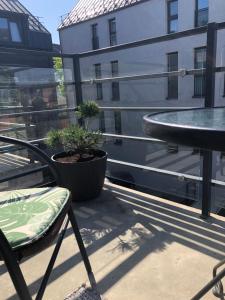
210	64
209	102
77	79
78	86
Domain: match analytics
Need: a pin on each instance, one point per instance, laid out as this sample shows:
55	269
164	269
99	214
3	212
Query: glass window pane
199	85
15	33
203	4
102	121
173	87
115	91
173	26
118	122
98	71
114	68
172	62
4	30
202	18
173	8
99	91
113	40
94	30
200	58
172	81
112	26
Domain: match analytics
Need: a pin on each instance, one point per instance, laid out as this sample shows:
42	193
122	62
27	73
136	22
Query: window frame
11	18
224	86
102	125
196	76
118	127
171	96
171	17
197	10
115	85
95	38
98	75
112	34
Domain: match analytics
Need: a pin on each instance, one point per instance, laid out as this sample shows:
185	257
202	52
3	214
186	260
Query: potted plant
81	164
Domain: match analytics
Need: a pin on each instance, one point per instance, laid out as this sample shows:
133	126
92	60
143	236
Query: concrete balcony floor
141	247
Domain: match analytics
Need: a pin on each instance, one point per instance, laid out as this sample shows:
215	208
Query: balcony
144	233
140	247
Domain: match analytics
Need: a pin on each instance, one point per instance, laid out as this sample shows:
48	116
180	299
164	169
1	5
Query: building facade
27	80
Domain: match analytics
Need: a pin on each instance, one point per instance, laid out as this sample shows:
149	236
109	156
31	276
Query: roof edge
60	28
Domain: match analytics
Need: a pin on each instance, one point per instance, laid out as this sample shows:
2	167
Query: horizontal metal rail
145	108
14	51
72	109
182	72
220	69
23	174
28	85
12	129
35	85
28	113
138	166
165	172
135	138
220	25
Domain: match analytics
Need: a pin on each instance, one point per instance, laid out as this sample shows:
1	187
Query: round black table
200	128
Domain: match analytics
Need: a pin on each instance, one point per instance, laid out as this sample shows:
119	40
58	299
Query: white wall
145	20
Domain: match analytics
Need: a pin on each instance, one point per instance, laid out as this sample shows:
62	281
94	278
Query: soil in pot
73	157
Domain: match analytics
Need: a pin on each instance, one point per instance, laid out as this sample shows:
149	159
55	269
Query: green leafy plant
75	137
58	67
87	111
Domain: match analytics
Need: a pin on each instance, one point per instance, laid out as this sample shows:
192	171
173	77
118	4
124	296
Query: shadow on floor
152	226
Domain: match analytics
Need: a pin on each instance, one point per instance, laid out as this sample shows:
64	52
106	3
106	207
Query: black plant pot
85	180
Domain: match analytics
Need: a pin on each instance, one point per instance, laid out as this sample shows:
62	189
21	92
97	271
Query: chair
30	219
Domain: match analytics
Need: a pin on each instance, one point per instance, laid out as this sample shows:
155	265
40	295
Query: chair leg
14	269
82	248
55	253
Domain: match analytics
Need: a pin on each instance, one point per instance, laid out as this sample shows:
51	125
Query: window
118	126
199	80
98	71
95	39
172	8
98	75
9	31
4	30
172	65
202	13
112	32
115	84
102	121
224	87
118	123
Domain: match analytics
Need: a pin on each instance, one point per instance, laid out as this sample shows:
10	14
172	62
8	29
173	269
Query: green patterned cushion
26	215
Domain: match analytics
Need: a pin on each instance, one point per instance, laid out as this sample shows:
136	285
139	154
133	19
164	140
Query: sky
50	12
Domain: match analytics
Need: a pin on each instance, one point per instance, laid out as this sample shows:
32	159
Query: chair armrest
41	154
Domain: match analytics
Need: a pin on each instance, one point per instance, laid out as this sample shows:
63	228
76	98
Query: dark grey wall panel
39	40
25	60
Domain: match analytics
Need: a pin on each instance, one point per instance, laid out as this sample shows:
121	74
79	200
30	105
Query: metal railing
209	71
